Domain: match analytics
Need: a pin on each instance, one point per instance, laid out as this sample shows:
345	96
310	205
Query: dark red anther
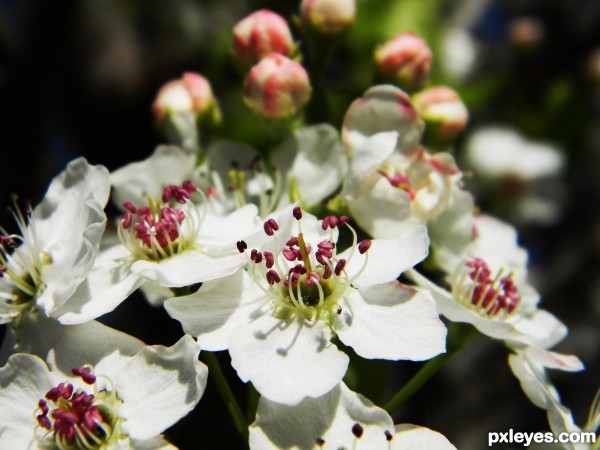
87	376
297	213
127	219
269	259
44	421
321	258
189	186
364	246
327	272
258	258
129	207
291	255
253	254
272	277
241	246
329	222
270	227
342	220
62	390
341	264
43	406
291	242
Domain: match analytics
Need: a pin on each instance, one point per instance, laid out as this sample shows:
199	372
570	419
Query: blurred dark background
78	78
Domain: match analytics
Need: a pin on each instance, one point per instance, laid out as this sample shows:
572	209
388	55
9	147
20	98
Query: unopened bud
190	94
328	17
526	33
444	113
259	34
404	60
277	87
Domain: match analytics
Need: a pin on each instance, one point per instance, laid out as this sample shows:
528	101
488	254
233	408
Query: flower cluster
300	258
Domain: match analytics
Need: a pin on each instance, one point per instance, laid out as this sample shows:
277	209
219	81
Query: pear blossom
340	419
41	267
386	189
278	317
105	390
169	241
489	289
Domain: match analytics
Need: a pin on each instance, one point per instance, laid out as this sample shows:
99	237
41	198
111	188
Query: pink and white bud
259	34
404	60
444	113
328	17
189	94
381	108
277	87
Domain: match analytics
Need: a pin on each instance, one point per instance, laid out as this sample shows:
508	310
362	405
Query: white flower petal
313	157
217	308
24	380
325	422
541	328
287	360
413	437
136	181
188	268
35	334
392	321
92	343
388	258
366	160
109	283
220	233
159	386
452	230
67	226
384	211
155	443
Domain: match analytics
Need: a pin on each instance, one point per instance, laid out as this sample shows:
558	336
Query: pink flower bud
444	113
189	94
277	87
259	34
404	60
329	17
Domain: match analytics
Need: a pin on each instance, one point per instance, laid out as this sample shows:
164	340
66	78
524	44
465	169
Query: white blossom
277	318
105	390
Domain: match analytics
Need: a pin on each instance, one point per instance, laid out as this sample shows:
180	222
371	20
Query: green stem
418	380
234	408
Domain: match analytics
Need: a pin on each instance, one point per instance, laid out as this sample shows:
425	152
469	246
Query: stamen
77	419
241	246
297	212
270	227
474	286
364	246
